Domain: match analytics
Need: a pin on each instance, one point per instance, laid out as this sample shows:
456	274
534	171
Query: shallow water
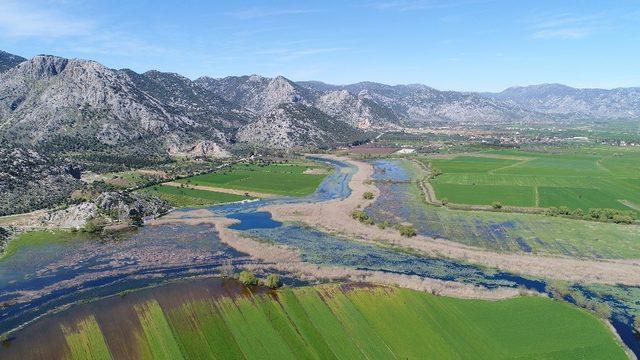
45	278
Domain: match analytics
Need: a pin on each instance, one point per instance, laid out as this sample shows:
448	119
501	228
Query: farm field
329	321
290	179
402	201
583	179
183	197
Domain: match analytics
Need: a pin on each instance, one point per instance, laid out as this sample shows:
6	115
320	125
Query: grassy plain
335	321
183	197
292	179
38	238
578	179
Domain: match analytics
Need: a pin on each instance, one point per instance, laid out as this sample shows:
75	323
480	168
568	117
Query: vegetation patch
335	321
581	179
184	196
291	179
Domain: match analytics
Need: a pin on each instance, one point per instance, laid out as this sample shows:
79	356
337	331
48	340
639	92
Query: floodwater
38	280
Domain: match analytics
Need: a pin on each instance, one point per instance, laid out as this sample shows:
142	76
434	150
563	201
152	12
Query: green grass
579	179
332	321
85	340
279	179
183	197
38	238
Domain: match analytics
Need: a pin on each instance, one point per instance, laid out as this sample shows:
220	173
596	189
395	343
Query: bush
362	217
406	230
383	225
248	278
368	195
578	213
496	205
273	281
603	310
622	219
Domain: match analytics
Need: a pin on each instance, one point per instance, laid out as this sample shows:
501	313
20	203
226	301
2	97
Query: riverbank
334	216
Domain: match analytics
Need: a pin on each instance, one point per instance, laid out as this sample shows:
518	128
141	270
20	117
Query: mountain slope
298	125
418	104
257	93
79	104
562	99
7	61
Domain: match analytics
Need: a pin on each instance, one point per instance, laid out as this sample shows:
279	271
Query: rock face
203	149
29	181
297	125
581	103
256	93
7	61
79	103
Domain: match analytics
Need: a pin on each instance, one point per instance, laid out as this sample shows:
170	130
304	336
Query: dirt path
222	190
334	216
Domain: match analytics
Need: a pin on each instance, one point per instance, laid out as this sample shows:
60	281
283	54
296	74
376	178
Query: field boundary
221	190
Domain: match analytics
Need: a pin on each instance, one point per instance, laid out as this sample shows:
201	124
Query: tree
273	281
248	278
368	195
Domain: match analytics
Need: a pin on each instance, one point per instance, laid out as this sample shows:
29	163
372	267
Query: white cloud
256	13
566	26
17	19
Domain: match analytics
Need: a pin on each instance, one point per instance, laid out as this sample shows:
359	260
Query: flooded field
37	280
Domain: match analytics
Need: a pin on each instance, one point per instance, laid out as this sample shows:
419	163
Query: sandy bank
334	216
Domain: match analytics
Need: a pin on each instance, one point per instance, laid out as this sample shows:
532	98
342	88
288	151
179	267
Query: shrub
368	195
362	217
444	201
406	230
563	210
603	310
578	213
273	281
622	219
248	278
497	205
383	225
557	289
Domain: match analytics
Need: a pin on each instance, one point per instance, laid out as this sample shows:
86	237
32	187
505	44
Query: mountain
7	61
557	99
298	125
256	93
412	105
65	104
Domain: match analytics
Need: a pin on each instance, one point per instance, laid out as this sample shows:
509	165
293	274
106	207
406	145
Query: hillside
581	103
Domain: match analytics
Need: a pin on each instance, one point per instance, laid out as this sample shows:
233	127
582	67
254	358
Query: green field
39	238
334	321
582	179
183	197
280	179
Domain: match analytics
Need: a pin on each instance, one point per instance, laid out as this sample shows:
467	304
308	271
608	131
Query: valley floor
222	319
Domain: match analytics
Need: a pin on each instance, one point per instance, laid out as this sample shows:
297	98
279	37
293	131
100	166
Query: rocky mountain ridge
72	104
621	103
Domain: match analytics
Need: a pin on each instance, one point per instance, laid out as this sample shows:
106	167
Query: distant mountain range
64	104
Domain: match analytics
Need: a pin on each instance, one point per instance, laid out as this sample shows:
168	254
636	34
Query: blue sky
459	44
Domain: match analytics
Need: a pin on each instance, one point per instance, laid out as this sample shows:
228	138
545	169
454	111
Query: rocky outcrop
30	181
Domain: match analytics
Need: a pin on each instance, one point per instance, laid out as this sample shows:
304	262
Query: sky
471	45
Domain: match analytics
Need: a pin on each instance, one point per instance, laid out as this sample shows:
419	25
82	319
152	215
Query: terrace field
185	197
578	179
289	179
200	319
